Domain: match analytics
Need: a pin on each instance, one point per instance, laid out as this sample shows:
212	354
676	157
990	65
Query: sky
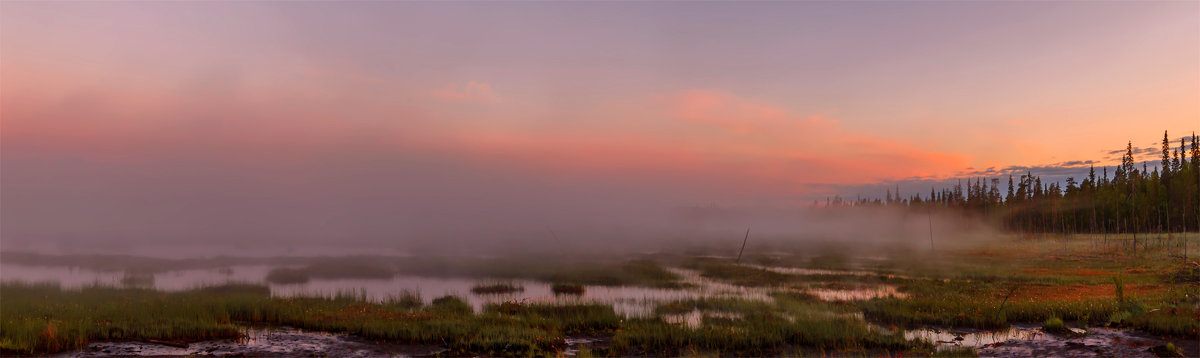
232	119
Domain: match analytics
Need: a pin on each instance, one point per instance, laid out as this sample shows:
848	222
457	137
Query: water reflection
626	300
972	338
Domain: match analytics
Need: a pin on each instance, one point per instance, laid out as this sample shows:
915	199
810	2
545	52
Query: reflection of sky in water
855	294
808	271
626	300
695	318
74	278
193	251
946	339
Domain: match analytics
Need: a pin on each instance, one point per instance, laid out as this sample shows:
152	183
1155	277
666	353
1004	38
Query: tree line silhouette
1163	198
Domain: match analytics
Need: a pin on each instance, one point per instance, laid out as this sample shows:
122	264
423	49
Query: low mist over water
708	230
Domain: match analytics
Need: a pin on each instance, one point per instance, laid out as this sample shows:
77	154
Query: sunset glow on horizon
744	104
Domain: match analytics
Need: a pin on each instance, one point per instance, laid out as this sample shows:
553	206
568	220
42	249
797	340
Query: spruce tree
1009	198
1166	159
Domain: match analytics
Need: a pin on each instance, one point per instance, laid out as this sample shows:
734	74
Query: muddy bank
1098	342
291	342
1028	340
1020	341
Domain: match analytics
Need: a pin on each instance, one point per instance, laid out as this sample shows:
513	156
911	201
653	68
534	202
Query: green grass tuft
1054	325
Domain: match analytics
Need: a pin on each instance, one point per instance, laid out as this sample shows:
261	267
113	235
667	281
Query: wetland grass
405	301
1171	321
570	319
740	275
601	272
42	319
976	305
645	273
1033	280
1054	325
449	306
1030	282
791	323
957	352
728	305
753	335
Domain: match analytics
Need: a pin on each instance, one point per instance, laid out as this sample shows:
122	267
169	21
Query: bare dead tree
747	238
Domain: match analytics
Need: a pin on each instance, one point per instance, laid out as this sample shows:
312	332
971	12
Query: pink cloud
757	147
735	113
475	92
718	140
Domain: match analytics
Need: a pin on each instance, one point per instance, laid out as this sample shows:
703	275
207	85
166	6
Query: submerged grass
631	273
137	279
495	288
329	269
288	276
342	269
560	288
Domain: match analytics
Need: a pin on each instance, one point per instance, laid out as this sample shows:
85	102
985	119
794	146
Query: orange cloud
759	148
476	92
801	149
